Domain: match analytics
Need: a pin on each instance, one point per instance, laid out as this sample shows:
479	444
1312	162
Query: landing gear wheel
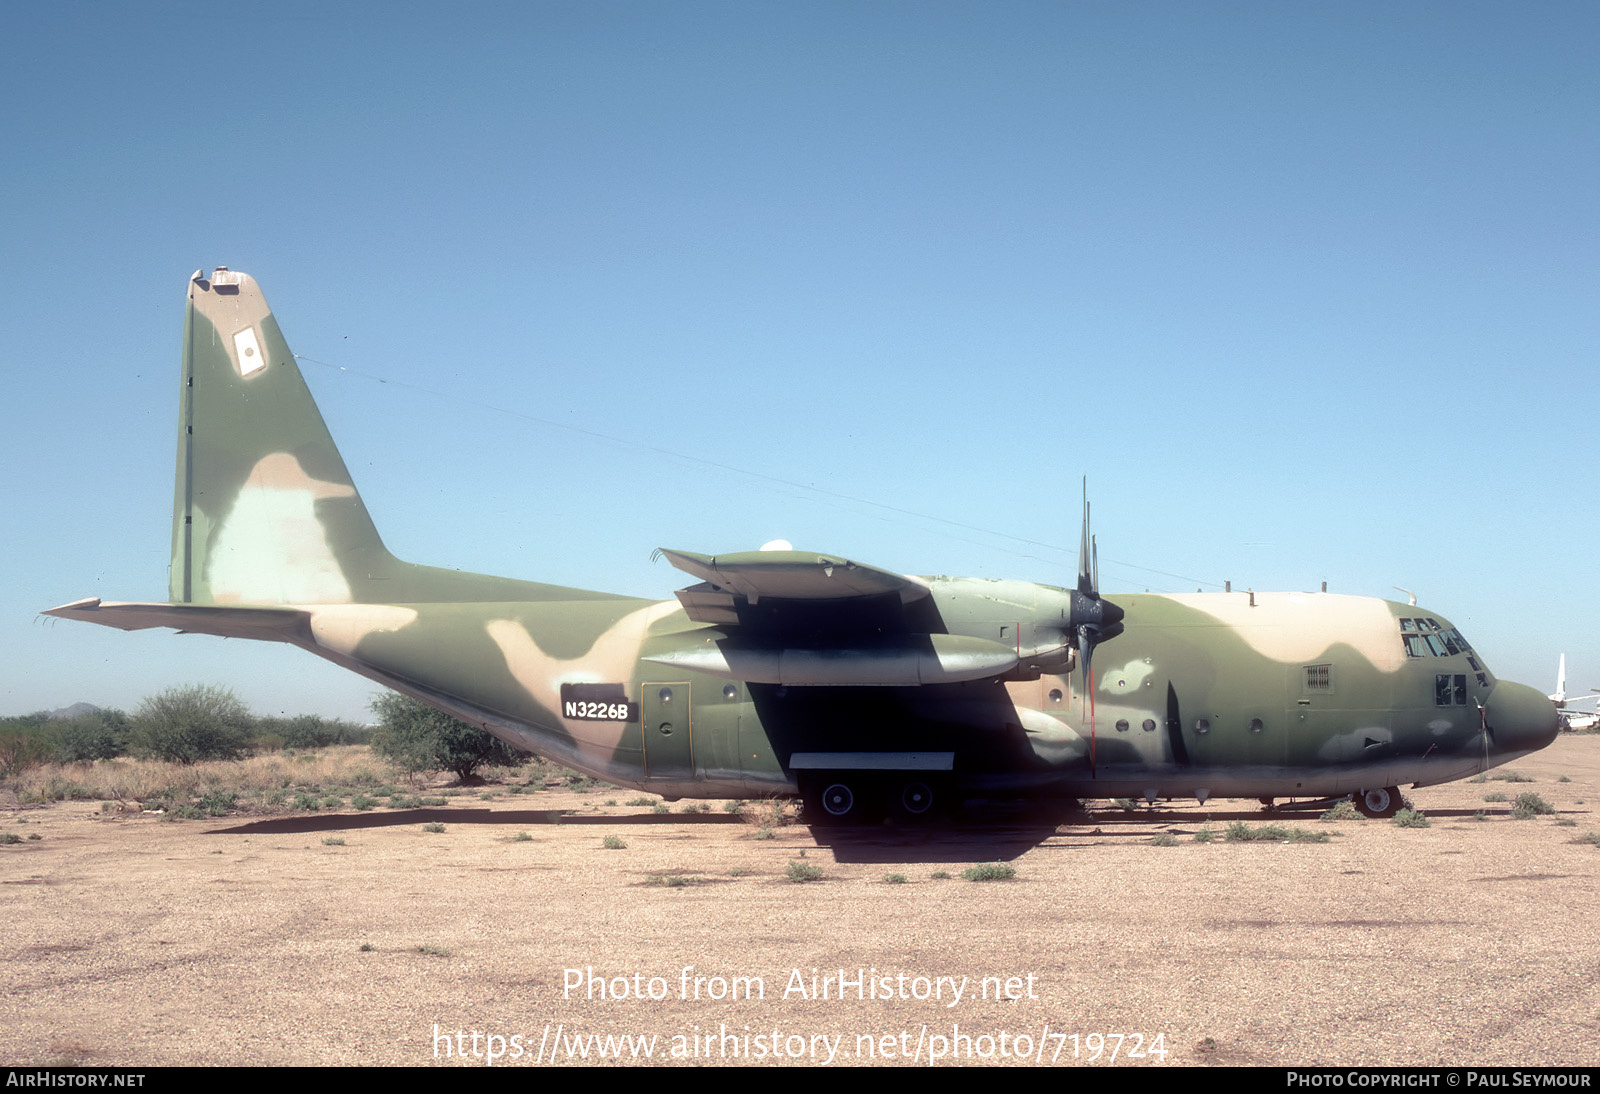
839	799
918	800
1378	803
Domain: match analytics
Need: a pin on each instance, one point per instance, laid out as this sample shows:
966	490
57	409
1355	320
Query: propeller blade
1085	575
1092	619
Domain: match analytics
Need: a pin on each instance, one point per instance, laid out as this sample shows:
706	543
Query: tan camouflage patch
1300	627
611	659
271	548
342	627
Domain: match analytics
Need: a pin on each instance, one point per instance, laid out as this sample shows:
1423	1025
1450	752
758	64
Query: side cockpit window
1450	690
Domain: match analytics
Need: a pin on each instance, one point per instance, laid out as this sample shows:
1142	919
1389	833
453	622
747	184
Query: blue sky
1308	292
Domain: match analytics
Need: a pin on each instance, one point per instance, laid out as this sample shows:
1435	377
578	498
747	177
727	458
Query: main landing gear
855	797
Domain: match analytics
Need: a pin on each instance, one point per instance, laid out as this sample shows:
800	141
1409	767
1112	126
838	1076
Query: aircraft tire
1382	803
918	801
840	799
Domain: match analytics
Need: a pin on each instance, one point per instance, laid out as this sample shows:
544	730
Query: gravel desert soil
517	932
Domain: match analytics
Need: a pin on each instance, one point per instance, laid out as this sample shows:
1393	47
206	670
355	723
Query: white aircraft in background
1575	719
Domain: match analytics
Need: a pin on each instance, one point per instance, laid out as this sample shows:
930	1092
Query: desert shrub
417	738
99	735
990	871
803	871
1410	818
218	802
189	724
1240	831
1529	804
311	731
766	813
22	747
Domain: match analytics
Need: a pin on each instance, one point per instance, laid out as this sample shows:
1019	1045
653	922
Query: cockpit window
1424	637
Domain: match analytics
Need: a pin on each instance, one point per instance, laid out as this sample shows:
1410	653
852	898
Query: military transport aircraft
784	672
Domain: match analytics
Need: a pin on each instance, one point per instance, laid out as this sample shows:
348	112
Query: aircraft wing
733	582
808	619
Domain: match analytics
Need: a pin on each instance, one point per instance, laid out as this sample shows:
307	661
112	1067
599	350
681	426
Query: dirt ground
132	941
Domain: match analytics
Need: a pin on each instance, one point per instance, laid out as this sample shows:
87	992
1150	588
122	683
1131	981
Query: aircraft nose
1522	718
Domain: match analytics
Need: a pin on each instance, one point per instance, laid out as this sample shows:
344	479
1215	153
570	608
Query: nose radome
1523	719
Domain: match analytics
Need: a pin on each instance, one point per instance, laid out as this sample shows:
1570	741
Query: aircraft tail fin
264	510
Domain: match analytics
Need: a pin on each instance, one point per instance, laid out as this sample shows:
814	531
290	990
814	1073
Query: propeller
1093	620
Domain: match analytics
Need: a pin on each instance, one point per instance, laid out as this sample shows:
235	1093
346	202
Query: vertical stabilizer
265	511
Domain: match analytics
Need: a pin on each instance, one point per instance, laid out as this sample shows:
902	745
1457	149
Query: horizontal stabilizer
266	624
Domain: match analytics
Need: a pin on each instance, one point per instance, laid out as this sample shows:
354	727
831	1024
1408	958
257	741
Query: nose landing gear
1378	803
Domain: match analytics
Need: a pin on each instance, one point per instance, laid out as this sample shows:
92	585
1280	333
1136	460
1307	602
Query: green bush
990	871
218	803
417	738
1274	833
100	735
22	747
1410	818
189	724
803	871
1529	804
311	731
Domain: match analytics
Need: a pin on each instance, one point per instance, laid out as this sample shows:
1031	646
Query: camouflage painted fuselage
1299	695
788	666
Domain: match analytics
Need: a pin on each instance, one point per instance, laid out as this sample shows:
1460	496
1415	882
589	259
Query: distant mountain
76	710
